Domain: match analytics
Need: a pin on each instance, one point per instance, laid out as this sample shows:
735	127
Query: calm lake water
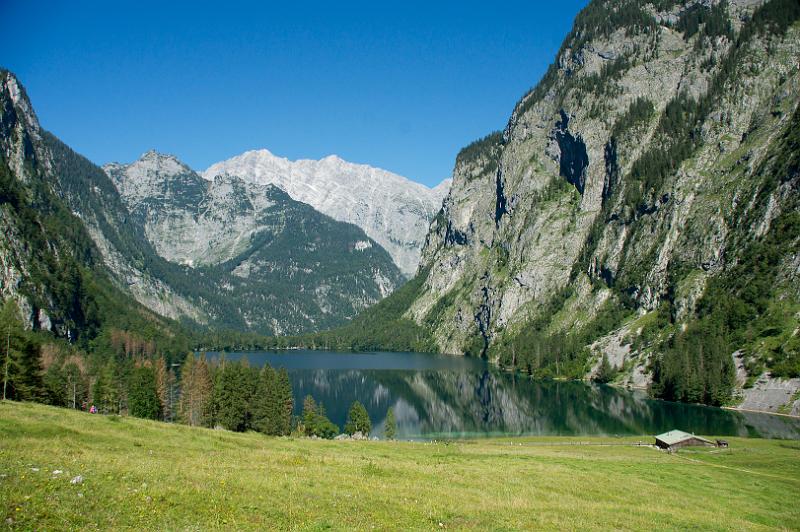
437	396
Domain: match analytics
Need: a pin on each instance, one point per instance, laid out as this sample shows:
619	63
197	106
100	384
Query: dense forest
132	377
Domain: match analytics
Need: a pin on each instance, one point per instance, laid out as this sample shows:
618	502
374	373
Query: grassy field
143	474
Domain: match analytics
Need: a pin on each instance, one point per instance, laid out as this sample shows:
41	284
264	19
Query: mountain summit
392	210
287	266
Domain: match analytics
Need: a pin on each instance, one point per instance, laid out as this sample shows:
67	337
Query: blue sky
402	86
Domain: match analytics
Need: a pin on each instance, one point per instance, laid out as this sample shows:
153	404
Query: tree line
133	379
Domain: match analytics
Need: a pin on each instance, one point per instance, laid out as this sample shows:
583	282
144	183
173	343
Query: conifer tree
142	394
106	390
286	401
22	371
266	409
390	425
315	421
196	388
309	410
233	394
606	372
358	420
163	385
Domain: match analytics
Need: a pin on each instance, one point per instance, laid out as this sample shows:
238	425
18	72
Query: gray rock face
392	210
225	253
189	220
287	267
545	206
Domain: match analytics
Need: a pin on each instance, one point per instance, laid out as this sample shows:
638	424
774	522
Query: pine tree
163	387
22	370
234	391
266	408
315	421
196	389
390	426
106	390
286	400
185	402
309	411
606	372
358	420
143	395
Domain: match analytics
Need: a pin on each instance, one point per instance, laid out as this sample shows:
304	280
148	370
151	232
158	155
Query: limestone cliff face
391	209
57	244
261	260
225	253
573	193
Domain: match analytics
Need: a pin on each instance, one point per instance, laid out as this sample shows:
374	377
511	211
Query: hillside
141	474
641	205
51	267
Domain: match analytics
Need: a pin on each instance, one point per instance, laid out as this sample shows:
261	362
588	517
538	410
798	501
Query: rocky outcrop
573	194
392	210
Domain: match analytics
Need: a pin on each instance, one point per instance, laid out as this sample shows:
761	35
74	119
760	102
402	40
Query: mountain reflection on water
450	397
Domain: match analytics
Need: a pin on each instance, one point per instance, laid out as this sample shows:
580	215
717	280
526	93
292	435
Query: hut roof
674	436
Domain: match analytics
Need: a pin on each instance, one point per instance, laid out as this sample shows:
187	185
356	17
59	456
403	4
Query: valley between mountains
636	221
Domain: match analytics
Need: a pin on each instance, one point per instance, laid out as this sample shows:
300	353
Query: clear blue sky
402	86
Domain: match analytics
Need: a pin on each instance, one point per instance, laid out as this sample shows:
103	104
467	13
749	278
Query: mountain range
636	221
391	209
226	252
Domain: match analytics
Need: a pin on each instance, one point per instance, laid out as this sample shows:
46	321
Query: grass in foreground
145	474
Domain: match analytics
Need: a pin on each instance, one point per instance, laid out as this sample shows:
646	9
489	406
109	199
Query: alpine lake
447	397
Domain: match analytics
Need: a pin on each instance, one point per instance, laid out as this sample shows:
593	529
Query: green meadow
145	474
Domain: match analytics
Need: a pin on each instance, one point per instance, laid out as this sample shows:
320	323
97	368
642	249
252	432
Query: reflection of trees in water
457	402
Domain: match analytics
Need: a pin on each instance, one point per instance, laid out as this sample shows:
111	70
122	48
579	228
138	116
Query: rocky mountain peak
155	176
154	165
390	208
13	92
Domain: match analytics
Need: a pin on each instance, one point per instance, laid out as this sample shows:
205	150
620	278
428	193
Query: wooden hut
675	439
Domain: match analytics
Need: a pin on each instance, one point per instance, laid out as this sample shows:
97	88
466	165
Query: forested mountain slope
51	267
292	269
641	203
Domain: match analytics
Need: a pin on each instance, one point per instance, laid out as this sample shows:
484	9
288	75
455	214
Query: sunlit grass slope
144	474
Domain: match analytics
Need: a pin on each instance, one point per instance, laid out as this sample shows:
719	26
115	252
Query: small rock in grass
35	469
77	480
80	495
57	472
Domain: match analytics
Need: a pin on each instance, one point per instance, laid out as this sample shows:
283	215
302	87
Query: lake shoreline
436	396
493	363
